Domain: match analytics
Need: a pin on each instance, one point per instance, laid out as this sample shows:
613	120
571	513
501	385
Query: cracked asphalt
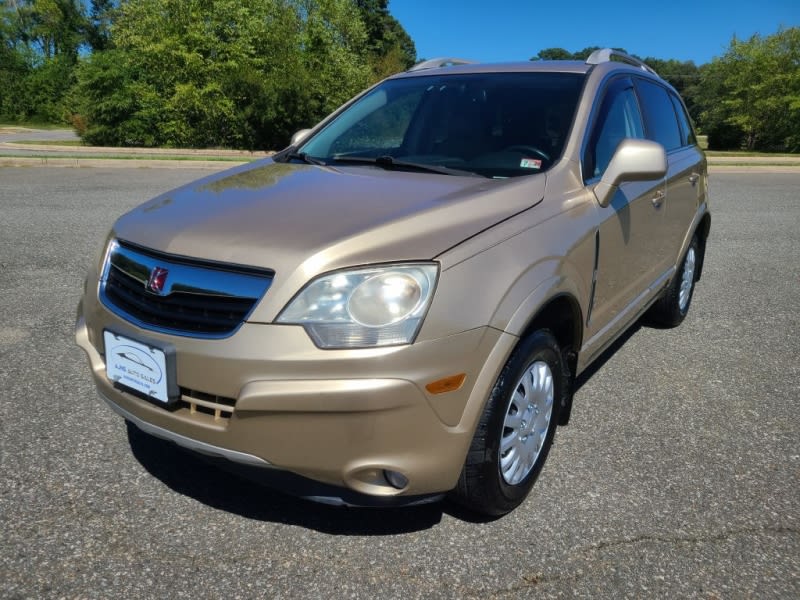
677	477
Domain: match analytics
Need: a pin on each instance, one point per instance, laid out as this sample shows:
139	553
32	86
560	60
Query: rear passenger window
618	118
687	133
659	115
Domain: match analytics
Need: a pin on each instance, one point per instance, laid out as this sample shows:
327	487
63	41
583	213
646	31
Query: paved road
15	134
13	152
678	476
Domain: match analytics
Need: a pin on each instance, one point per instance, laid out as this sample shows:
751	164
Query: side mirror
299	136
634	160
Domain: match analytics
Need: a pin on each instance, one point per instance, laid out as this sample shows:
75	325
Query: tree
51	28
561	54
553	54
203	73
99	22
389	47
41	42
750	96
684	76
14	67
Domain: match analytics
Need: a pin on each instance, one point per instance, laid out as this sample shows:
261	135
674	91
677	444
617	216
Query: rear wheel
671	309
516	429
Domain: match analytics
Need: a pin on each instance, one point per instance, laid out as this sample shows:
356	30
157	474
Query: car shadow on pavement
238	491
248	491
608	353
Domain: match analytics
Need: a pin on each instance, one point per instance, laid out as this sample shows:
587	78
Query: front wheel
516	429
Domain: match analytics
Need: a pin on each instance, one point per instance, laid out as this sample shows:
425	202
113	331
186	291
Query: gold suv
396	306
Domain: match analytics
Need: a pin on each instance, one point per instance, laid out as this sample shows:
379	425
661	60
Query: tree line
192	73
748	98
226	73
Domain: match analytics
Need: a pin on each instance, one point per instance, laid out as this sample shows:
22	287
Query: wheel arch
553	305
562	315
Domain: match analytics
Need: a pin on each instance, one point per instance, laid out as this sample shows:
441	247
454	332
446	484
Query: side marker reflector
448	384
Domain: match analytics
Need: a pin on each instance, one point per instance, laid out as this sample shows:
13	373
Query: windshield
492	124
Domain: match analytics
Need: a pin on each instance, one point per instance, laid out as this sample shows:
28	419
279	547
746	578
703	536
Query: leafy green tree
750	96
684	76
52	28
41	42
389	47
14	67
553	54
206	73
99	22
561	54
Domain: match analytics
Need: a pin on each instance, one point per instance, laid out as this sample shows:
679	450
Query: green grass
769	163
746	153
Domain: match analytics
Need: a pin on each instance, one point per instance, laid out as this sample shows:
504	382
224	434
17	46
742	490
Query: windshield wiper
389	163
302	156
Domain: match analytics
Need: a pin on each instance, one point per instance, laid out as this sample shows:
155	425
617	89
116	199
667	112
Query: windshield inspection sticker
530	163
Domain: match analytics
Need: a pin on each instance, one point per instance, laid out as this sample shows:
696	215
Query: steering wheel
522	148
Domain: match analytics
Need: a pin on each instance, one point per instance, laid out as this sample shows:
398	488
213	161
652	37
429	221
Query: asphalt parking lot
678	475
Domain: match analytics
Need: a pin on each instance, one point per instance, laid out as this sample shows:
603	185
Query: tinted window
618	118
392	122
687	133
494	124
659	115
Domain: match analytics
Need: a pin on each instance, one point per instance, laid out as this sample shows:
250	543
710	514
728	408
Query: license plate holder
142	366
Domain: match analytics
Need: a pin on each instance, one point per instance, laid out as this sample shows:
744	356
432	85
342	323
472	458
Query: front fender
545	281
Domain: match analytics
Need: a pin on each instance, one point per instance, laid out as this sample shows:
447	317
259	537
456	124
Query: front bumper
342	417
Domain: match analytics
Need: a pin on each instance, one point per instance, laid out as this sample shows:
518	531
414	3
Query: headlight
378	306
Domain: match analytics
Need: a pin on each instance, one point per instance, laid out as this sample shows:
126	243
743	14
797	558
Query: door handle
693	178
658	198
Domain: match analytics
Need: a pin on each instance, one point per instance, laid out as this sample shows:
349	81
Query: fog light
395	479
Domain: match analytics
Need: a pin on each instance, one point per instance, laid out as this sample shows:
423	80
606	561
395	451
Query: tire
672	307
533	382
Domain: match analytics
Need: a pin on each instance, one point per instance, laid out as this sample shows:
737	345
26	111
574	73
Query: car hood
301	220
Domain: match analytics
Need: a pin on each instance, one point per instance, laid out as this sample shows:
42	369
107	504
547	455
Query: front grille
202	299
183	312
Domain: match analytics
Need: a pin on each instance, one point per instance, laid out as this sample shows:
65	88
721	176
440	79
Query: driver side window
619	118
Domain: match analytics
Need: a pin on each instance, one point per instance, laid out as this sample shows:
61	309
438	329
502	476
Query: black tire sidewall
540	346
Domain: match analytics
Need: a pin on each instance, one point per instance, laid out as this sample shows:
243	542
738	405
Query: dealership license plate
137	366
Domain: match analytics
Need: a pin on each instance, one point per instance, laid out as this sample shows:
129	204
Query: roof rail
435	63
607	54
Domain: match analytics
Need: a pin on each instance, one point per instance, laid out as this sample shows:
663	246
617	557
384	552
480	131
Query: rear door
666	123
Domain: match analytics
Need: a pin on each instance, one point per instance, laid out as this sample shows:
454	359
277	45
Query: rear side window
659	115
687	133
618	118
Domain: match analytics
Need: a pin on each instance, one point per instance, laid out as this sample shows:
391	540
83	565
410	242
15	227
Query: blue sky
490	31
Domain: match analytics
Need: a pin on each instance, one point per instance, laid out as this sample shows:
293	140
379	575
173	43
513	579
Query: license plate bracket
142	366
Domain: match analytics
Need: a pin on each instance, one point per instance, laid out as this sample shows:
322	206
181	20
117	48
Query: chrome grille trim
199	299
